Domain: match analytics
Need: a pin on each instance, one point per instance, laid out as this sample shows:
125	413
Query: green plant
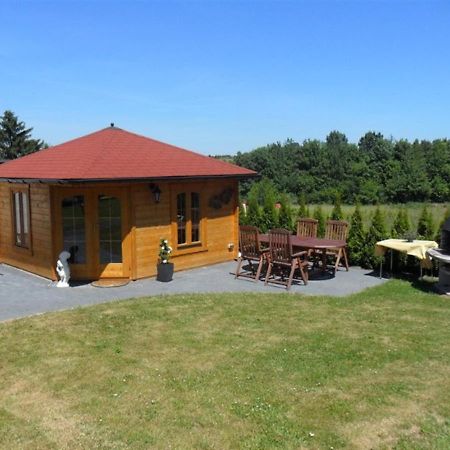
165	251
285	213
401	224
302	210
318	215
356	238
377	232
425	226
336	214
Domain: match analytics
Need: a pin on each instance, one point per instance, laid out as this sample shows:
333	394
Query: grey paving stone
23	294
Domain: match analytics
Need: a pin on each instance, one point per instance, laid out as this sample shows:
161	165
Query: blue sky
227	76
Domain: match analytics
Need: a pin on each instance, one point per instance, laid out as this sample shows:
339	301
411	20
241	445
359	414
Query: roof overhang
128	180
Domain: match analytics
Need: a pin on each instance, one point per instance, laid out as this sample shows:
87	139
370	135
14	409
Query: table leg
381	269
392	271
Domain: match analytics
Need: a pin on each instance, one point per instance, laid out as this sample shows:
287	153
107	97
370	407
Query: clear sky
227	76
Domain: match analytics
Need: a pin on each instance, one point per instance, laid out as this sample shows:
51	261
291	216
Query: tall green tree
318	215
444	219
302	210
377	232
425	226
401	224
15	137
285	213
336	213
253	216
356	238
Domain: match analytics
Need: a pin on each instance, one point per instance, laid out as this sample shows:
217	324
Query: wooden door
112	248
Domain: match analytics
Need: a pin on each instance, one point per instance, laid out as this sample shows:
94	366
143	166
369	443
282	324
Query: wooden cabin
108	198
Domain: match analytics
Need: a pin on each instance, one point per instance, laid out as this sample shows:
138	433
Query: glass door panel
110	229
74	228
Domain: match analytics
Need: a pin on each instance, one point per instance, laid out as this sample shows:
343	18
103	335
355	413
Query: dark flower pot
165	272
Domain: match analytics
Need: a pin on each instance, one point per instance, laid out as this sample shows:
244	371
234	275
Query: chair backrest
280	246
307	227
336	230
249	241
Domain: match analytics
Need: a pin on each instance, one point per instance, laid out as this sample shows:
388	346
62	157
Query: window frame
189	246
22	191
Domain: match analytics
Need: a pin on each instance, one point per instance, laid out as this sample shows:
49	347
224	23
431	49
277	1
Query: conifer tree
336	213
302	210
401	224
285	214
376	232
15	138
242	215
253	212
318	215
269	219
425	226
356	238
438	232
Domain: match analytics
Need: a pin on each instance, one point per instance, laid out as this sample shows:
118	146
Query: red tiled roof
113	153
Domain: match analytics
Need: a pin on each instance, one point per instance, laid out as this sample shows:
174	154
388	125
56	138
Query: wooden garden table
310	243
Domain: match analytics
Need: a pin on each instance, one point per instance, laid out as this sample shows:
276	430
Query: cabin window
21	213
74	228
188	218
181	218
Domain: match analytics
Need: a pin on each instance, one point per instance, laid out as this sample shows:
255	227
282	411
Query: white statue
63	269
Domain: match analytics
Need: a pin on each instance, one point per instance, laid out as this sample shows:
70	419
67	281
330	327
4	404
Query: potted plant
164	267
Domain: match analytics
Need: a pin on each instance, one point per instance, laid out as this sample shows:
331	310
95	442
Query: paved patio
23	294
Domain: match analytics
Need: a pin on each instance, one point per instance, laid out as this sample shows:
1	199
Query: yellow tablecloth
417	248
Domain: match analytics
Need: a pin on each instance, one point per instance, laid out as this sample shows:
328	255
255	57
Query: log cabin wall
148	223
38	257
154	221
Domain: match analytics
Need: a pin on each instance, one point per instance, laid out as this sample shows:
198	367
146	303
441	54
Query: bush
437	238
285	214
318	215
401	224
356	238
336	213
302	210
377	232
425	226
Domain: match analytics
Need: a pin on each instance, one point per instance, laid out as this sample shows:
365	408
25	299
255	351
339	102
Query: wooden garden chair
250	251
307	228
337	230
282	260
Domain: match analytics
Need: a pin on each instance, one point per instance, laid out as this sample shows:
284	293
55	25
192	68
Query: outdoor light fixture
156	191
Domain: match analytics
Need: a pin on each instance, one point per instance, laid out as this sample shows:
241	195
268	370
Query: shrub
302	210
377	232
425	226
356	238
318	215
253	212
336	213
437	238
401	224
285	213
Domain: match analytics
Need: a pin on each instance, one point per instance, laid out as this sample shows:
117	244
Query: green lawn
232	371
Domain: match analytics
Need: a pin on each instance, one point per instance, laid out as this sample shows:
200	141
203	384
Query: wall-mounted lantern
156	191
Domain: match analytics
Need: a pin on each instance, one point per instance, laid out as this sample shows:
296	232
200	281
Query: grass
437	211
232	371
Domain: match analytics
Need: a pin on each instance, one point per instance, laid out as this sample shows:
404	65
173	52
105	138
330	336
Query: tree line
374	170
